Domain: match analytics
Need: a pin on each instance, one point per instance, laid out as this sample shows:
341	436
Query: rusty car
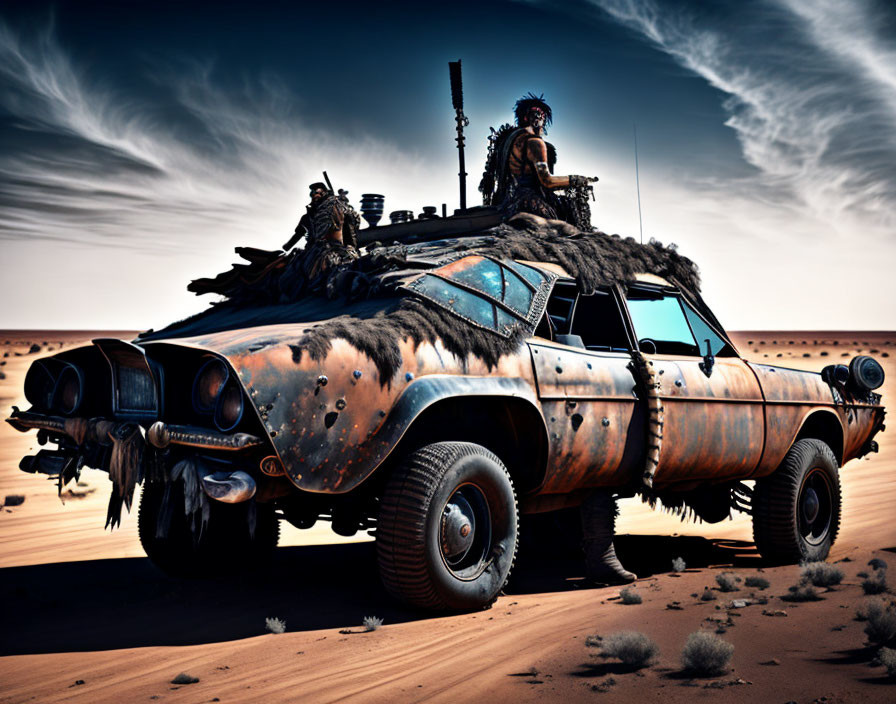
439	390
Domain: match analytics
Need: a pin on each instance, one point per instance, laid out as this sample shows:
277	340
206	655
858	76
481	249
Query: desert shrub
756	582
801	592
679	565
630	595
727	582
275	625
371	623
887	658
633	649
881	625
821	574
184	678
876	583
868	608
707	595
706	654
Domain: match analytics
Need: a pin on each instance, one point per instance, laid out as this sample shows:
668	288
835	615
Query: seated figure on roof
330	228
519	170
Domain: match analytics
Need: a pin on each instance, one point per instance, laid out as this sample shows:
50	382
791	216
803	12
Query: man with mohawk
519	171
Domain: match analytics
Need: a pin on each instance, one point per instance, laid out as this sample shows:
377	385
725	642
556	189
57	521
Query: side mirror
708	360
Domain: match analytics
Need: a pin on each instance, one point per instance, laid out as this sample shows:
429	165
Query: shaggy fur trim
593	258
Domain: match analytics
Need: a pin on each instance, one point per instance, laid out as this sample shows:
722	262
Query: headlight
40	382
69	390
208	384
866	373
229	410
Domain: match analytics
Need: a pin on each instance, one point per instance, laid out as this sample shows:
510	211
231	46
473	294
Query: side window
560	306
660	323
598	321
703	332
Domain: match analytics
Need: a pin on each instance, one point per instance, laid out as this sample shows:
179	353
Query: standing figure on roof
519	170
330	227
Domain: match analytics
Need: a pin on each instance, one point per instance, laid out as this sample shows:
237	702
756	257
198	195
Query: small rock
674	606
773	661
76	684
34	349
184	678
777	612
739	603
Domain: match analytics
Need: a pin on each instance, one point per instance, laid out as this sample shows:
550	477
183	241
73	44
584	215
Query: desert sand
88	618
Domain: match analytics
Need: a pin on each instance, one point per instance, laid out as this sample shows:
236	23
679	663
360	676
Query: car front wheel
796	510
447	528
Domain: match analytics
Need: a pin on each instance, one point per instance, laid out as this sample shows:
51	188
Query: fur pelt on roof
594	259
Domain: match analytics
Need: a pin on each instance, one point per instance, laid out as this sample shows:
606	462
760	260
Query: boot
598	514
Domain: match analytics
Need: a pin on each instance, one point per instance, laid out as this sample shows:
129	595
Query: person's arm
537	152
299	234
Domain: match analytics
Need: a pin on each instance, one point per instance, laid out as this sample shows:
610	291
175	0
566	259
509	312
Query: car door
713	416
588	394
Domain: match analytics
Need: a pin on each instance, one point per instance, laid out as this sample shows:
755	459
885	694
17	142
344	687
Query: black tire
447	528
225	545
796	510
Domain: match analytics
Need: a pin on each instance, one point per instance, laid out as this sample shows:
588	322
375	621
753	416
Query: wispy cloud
107	192
96	165
811	96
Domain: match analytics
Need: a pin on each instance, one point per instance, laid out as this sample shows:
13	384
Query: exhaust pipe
229	487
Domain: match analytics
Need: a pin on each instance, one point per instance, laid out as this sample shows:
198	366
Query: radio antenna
638	182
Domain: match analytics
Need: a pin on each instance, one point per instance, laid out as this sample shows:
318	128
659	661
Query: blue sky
140	142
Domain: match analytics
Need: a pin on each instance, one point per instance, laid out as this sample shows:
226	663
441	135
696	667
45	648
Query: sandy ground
87	618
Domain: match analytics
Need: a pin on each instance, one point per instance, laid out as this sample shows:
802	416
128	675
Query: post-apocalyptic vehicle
458	374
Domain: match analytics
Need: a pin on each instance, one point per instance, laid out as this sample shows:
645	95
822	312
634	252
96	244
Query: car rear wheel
796	510
447	528
225	545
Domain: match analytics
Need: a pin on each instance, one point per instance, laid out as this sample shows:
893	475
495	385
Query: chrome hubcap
810	505
458	528
465	532
816	507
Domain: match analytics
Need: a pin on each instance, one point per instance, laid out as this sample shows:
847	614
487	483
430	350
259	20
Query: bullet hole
409	377
357	373
330	418
322	380
558	369
605	422
340	404
576	421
